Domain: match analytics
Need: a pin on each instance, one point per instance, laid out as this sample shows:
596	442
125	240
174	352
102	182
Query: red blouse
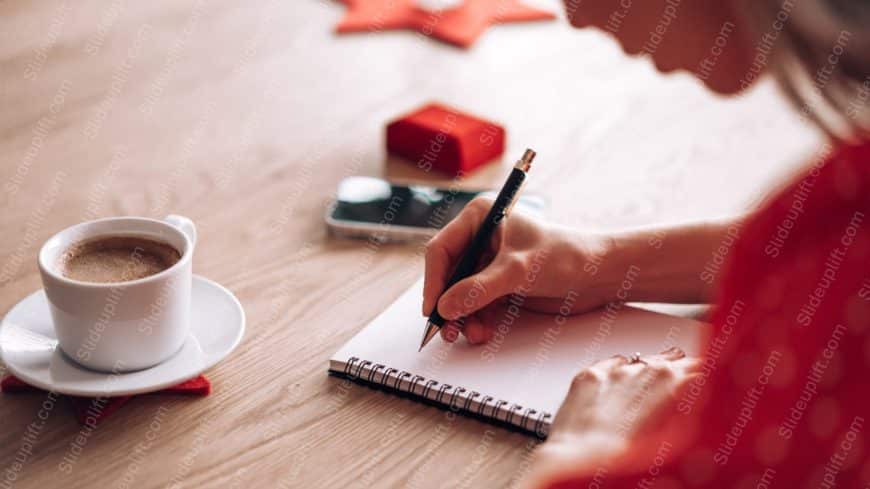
783	399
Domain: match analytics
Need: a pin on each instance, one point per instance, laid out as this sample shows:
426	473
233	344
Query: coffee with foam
112	259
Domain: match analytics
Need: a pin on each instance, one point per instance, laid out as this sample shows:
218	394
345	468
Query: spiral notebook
520	378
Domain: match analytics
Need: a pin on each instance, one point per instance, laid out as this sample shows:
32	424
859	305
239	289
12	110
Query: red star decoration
90	411
459	26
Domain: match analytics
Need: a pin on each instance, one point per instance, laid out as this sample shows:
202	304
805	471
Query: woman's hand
539	263
617	413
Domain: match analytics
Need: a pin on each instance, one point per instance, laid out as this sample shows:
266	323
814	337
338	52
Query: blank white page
522	376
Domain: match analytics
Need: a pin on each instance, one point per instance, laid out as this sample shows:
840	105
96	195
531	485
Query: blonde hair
821	59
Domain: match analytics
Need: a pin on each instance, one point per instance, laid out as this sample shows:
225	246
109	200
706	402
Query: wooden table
244	116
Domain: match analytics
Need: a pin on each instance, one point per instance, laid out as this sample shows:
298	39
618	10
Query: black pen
481	241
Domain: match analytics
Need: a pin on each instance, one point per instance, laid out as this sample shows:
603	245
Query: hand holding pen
525	263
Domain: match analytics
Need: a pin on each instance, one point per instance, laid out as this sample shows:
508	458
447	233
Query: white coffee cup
123	326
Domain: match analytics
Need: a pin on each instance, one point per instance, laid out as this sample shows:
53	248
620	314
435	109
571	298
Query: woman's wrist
580	257
572	456
675	264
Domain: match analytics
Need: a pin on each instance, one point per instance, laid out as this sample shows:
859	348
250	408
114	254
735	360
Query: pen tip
428	334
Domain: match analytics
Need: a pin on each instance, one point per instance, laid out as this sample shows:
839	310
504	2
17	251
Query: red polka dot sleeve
784	396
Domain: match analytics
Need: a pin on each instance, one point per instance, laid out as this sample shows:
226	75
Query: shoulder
823	212
796	287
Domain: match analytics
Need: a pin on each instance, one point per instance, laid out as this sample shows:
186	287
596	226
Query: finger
689	365
618	360
435	276
606	366
673	353
450	331
475	331
650	371
491	315
480	290
664	358
487	320
446	248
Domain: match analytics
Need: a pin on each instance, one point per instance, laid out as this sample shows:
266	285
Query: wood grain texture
244	116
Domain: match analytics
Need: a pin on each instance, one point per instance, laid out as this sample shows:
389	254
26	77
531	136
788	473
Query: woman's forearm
677	264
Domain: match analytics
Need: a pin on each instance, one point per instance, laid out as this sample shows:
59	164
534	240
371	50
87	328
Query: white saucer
28	347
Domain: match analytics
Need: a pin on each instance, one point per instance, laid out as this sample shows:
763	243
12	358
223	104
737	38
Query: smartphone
367	207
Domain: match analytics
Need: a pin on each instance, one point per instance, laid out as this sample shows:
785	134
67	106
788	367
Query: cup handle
184	224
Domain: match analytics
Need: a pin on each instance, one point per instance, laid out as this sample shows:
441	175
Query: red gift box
444	139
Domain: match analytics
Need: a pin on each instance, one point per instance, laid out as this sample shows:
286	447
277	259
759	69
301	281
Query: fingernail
452	334
675	351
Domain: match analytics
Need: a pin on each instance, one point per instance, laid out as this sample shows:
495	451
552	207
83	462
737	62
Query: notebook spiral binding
526	419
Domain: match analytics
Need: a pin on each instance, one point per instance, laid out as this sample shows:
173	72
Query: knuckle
618	374
514	264
477	208
584	379
431	248
480	203
661	374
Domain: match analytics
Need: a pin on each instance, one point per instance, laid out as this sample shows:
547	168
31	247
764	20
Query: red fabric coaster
12	385
459	26
90	411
